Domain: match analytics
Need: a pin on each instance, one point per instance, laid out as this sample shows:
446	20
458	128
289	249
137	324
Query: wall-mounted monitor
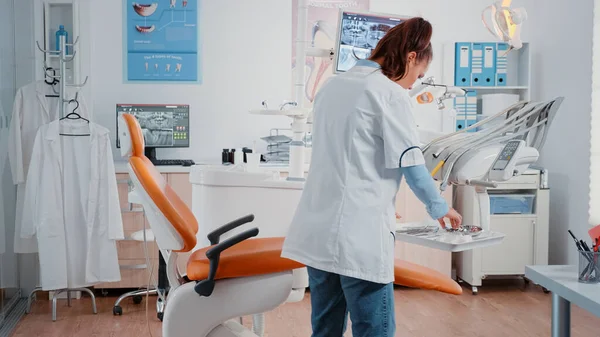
357	35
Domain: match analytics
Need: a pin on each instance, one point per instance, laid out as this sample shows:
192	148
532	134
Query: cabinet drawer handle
132	210
133	266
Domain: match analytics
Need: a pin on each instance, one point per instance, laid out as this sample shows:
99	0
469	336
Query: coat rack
63	59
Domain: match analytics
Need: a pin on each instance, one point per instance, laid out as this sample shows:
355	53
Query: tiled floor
497	311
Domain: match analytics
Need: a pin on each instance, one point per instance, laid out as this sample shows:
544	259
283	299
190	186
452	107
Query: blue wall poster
162	41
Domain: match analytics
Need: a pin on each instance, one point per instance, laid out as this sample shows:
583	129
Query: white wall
561	34
250	61
246	55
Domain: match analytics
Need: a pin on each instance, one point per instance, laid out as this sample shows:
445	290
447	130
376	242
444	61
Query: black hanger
74	115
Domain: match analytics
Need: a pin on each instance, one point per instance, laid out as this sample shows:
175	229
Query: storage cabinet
510	257
527	235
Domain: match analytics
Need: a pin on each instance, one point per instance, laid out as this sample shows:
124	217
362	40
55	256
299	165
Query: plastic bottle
62	32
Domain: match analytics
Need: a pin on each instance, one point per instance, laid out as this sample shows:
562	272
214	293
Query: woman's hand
453	216
398	216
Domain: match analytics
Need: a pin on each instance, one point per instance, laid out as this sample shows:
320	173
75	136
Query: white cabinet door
515	252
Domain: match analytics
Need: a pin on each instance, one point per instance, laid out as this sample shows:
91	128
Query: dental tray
431	235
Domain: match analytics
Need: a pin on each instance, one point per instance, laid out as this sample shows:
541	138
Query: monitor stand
150	153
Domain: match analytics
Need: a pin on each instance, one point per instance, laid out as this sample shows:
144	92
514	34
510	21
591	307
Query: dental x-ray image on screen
162	125
359	33
157	127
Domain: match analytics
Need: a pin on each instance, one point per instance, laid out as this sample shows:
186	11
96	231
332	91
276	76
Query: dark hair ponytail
412	35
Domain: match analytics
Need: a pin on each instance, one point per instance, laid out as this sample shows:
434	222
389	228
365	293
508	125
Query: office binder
471	103
501	64
462	64
476	64
488	73
470	120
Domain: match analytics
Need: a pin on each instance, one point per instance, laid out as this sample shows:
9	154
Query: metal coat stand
63	59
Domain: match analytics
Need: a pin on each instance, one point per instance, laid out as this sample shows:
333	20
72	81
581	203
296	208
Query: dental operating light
505	22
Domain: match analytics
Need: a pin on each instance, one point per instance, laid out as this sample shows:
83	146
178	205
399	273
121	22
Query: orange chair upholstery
263	254
251	256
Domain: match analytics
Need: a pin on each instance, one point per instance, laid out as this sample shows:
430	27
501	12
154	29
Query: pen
576	241
585	246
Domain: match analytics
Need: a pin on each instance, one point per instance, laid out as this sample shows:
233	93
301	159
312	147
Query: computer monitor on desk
164	126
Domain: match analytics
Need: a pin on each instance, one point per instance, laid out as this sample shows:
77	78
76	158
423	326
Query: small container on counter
225	156
238	157
232	156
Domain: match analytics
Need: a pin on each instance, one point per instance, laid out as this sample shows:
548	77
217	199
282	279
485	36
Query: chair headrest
131	137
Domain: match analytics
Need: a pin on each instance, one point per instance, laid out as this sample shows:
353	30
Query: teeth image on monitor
157	128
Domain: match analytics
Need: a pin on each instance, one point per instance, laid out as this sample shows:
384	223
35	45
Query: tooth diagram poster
321	30
162	41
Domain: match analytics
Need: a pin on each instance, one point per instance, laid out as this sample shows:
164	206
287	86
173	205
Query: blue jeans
332	297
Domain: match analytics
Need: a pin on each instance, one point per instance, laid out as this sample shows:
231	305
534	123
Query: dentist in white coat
364	141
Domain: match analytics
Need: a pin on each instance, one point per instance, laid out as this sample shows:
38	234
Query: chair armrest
206	287
215	236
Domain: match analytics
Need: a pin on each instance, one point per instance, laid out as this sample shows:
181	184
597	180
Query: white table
562	282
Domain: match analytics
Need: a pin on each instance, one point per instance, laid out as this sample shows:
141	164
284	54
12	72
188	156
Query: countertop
121	167
562	280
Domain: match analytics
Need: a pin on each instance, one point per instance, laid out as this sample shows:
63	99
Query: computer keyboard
173	162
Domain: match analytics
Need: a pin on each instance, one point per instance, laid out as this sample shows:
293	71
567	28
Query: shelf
498	88
518	72
507	216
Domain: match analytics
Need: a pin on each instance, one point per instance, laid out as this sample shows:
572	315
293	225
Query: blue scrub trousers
332	296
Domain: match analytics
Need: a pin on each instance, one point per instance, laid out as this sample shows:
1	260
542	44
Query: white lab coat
363	131
31	110
3	163
72	205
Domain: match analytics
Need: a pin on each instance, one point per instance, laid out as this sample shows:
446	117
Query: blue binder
476	64
469	121
471	103
501	64
462	64
461	122
466	110
488	74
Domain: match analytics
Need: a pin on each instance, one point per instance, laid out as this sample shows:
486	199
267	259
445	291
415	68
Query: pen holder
589	267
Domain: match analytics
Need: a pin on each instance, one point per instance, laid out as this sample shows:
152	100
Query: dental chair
240	276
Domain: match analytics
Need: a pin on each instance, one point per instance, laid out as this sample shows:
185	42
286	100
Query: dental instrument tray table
432	235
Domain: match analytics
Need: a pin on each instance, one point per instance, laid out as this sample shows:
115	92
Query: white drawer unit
526	240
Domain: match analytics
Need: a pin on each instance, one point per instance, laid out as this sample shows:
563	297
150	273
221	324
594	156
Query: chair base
138	296
189	314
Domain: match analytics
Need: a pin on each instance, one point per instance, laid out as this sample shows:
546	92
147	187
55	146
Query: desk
562	282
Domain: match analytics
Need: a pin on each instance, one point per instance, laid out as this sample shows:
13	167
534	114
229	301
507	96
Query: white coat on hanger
72	205
3	162
31	110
